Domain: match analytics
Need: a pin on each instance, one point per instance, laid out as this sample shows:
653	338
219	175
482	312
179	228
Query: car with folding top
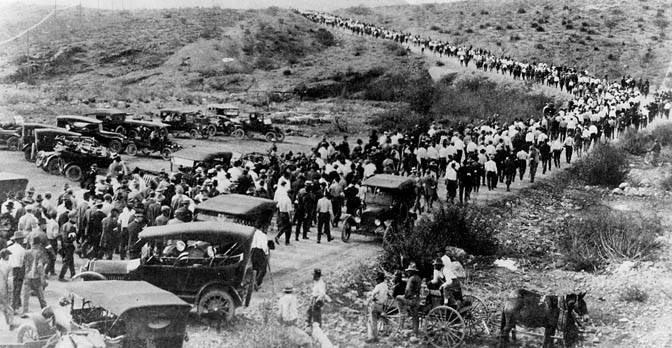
205	263
237	208
108	314
93	128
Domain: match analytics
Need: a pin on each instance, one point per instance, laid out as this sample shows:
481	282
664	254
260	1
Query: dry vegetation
607	37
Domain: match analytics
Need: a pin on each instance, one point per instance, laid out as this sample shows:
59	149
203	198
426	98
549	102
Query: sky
245	4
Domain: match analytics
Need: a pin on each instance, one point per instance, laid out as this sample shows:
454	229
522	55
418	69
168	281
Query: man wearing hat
28	222
34	264
109	238
410	301
163	219
288	306
17	253
135	226
5	298
94	228
318	297
68	237
377	299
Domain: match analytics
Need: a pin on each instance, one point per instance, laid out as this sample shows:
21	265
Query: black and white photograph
344	173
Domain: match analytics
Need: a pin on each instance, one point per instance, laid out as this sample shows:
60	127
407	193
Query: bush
666	184
403	118
509	26
540	29
521	10
635	143
435	28
601	236
606	165
325	37
663	133
632	293
467	227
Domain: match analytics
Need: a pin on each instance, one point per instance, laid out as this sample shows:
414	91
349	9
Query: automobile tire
131	149
27	153
216	302
238	133
115	146
120	130
280	136
27	332
52	167
73	172
346	231
13	144
271	137
193	133
212	130
166	154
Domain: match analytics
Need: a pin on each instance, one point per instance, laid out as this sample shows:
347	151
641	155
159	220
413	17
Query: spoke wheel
131	149
52	166
212	130
13	144
193	133
166	154
238	133
477	317
217	303
390	318
26	333
73	172
346	231
444	327
271	137
115	146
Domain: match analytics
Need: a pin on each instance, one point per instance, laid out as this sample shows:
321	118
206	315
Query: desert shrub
666	184
210	33
325	37
499	27
360	10
468	227
632	293
395	49
435	28
509	26
469	31
635	143
514	37
403	118
600	236
663	133
540	29
264	63
606	165
521	10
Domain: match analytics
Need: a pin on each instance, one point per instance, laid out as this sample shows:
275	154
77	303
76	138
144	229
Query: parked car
150	137
108	314
204	263
10	128
114	120
237	208
387	203
190	158
189	121
259	123
43	139
73	155
26	133
91	127
224	117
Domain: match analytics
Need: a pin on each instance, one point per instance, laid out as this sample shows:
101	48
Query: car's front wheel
212	130
346	231
216	303
238	133
73	172
115	146
13	144
131	149
166	154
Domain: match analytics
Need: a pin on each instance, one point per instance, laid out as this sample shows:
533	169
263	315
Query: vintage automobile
237	208
190	121
73	155
91	127
11	183
190	158
26	133
386	206
125	314
150	137
44	139
205	263
224	117
10	128
114	120
258	123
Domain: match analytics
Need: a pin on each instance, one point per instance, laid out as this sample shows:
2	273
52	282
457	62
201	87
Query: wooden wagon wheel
477	317
444	327
390	318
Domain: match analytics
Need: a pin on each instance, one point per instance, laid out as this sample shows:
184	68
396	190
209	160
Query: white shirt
18	253
379	293
369	170
288	307
52	229
125	216
260	241
451	174
319	291
491	166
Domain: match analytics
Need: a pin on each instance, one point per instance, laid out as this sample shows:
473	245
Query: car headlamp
377	222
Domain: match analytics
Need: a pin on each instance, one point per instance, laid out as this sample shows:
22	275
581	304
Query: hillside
607	37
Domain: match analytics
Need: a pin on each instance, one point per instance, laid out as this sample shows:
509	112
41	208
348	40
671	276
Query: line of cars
143	302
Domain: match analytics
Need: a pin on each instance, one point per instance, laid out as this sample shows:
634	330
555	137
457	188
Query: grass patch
633	293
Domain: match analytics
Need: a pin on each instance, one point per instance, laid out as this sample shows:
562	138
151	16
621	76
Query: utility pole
28	53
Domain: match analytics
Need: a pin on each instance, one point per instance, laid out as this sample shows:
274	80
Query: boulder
623	185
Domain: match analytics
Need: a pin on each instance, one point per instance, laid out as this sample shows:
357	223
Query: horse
551	312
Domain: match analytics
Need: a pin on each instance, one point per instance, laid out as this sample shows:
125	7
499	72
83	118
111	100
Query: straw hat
412	268
288	289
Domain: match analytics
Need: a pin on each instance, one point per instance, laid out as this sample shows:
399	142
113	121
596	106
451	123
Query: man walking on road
17	254
324	217
285	209
34	263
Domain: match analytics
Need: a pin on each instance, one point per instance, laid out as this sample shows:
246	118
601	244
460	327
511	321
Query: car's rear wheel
238	133
193	133
166	154
26	333
120	130
115	146
216	303
131	149
73	172
271	137
212	130
13	144
52	166
28	154
281	136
